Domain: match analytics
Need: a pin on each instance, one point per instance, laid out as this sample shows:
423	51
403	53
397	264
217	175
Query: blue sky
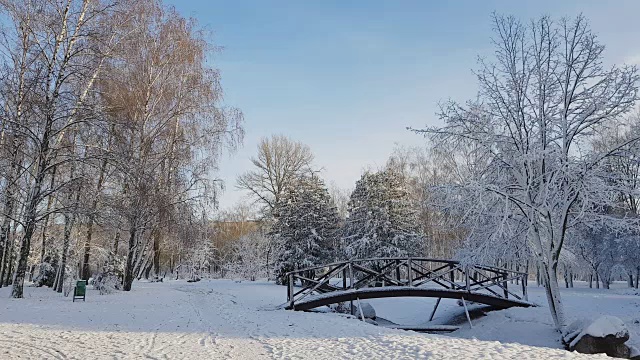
347	77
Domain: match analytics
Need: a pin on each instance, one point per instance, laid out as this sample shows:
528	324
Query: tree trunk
116	242
597	281
571	275
31	211
5	256
9	258
45	226
31	271
68	224
6	246
69	220
25	247
552	291
128	270
3	249
147	271
11	263
57	278
86	273
156	254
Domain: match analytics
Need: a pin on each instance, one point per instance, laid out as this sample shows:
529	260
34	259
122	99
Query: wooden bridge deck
334	297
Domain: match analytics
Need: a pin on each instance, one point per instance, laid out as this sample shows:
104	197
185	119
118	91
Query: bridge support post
433	312
290	292
524	287
466	311
360	309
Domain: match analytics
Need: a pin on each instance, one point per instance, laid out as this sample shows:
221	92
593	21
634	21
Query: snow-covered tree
382	220
599	248
630	246
423	168
306	225
533	166
249	254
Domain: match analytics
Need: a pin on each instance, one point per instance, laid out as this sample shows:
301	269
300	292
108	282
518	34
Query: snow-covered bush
46	274
199	259
109	279
249	256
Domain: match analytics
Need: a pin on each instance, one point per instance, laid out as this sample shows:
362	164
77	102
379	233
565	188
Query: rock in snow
607	334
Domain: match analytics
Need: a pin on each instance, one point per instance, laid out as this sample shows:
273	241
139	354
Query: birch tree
541	100
67	42
170	127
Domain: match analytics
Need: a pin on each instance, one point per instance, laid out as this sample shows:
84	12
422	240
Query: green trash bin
80	290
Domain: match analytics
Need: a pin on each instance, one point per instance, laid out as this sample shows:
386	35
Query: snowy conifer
306	225
382	221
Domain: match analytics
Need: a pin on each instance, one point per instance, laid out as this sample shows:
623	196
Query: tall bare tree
279	163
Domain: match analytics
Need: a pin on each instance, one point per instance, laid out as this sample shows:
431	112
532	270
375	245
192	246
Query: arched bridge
355	280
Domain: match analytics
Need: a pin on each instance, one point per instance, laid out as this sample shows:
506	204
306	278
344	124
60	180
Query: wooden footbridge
356	280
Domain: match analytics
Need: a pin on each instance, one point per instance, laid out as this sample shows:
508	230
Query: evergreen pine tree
382	221
306	225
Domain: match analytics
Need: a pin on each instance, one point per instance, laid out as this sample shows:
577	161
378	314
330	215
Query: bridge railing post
466	277
290	292
505	285
351	285
524	287
409	272
452	275
344	278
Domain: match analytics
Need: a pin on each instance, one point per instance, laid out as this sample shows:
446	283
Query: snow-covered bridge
356	280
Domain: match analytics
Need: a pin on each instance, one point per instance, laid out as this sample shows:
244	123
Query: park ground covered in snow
224	319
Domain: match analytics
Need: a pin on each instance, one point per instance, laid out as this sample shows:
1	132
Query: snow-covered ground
227	320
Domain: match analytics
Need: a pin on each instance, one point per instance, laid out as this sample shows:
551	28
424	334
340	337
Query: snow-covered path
214	320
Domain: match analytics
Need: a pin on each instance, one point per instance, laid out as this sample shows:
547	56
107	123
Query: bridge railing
405	272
